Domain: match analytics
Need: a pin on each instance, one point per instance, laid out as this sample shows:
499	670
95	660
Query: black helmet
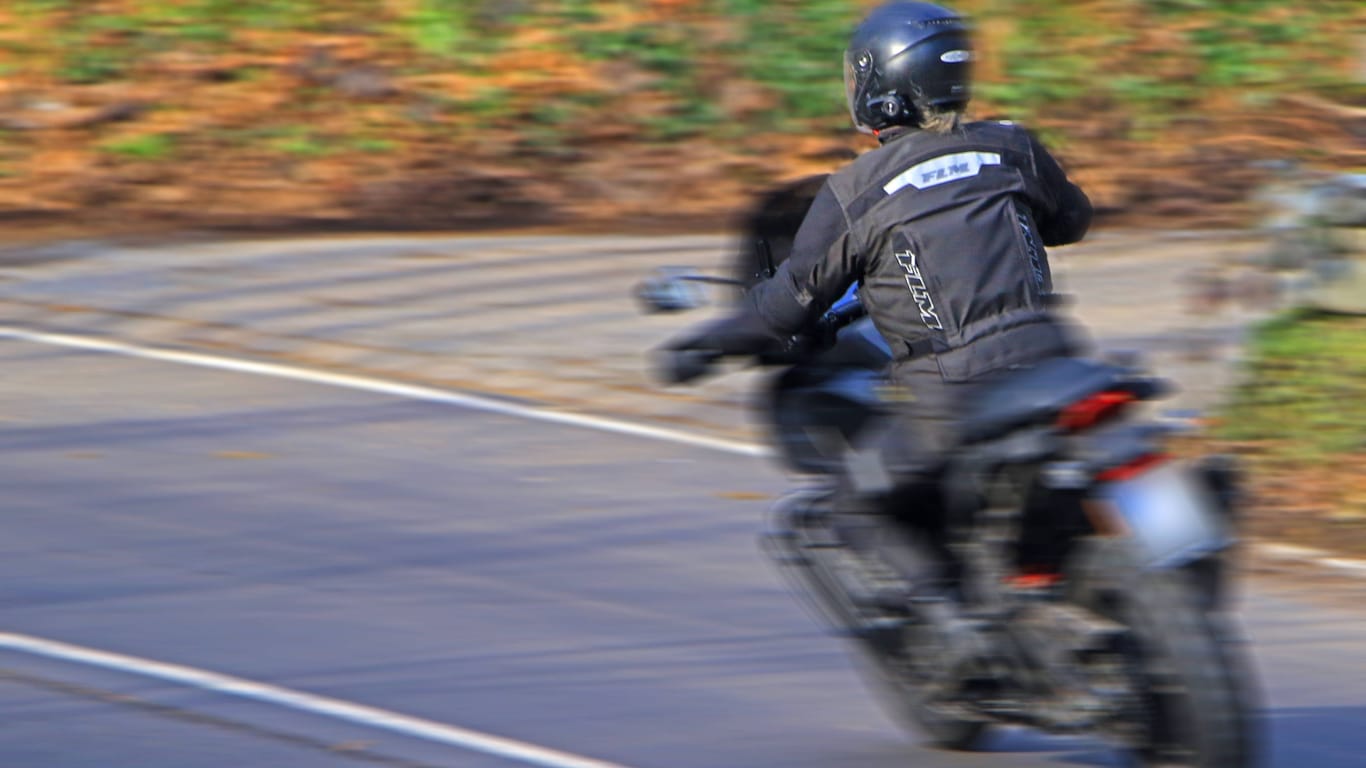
903	59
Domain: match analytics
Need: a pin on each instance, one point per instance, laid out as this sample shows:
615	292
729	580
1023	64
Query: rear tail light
1084	414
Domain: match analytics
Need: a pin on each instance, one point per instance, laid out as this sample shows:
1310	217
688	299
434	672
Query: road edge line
377	385
1272	550
1319	558
337	709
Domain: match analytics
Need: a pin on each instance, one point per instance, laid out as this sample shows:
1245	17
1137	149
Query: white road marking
382	386
321	705
305	702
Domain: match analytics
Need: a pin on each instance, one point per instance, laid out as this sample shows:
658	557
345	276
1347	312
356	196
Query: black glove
680	366
693	355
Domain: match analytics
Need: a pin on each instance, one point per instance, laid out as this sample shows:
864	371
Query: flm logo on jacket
916	282
941	170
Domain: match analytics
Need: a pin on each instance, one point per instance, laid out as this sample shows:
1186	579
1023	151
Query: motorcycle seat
1038	394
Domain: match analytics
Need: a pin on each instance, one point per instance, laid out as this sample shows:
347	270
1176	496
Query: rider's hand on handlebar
740	335
680	366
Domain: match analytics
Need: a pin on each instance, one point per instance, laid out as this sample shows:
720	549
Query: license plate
1170	514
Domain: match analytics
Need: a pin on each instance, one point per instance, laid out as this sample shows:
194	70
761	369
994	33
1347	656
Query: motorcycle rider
943	227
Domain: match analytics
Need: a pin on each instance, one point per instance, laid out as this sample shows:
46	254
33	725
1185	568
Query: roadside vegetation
672	113
1299	421
460	112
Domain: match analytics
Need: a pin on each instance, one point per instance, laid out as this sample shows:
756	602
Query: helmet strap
893	108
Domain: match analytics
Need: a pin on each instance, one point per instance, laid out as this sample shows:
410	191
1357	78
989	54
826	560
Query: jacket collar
895	132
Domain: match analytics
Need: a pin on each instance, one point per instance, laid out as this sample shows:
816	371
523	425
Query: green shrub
1306	387
151	146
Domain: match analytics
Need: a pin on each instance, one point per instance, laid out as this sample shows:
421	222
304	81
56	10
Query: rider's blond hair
941	120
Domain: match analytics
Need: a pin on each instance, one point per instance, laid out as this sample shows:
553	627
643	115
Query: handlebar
844	312
682	365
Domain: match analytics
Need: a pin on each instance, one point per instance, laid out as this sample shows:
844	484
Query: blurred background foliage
1310	370
1298	424
435	112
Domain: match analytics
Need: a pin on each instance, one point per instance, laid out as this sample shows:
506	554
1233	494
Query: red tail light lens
1084	414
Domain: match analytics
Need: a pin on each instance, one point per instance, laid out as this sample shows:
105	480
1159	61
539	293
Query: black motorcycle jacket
946	234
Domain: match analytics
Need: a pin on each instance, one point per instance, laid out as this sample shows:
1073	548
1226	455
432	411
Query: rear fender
1223	477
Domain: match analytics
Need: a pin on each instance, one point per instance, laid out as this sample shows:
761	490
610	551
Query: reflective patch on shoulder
942	169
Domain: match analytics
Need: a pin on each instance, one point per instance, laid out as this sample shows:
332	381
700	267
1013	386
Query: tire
1246	687
1193	703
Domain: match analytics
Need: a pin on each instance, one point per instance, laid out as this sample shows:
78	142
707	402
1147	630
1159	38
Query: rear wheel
1190	699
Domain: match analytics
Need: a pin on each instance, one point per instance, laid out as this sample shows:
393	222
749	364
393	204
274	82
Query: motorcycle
1075	580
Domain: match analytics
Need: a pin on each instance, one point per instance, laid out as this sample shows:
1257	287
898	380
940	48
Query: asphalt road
592	593
550	319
